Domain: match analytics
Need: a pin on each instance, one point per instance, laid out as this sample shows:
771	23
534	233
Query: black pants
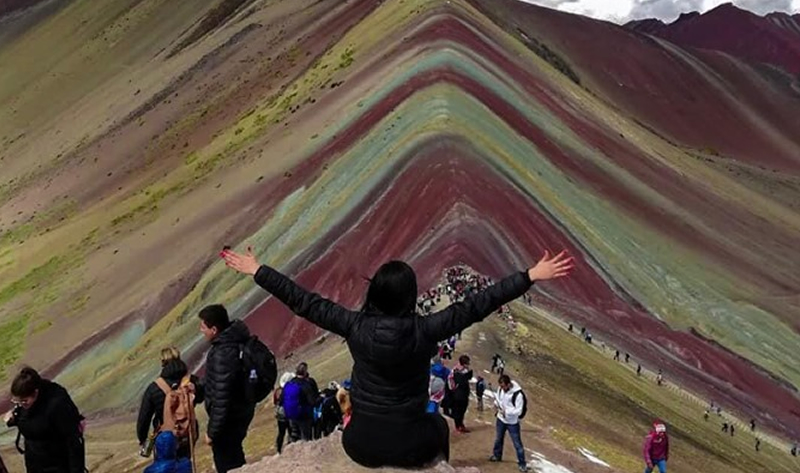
300	429
227	447
406	443
283	426
459	410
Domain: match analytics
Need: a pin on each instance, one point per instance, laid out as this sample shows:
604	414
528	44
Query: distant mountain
773	39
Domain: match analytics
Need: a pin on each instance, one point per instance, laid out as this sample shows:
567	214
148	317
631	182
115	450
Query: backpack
524	403
178	414
261	370
294	404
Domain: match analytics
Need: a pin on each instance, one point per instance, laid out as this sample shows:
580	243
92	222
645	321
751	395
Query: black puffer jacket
151	411
224	383
51	428
391	355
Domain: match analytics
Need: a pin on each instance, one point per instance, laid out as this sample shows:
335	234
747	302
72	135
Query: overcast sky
621	11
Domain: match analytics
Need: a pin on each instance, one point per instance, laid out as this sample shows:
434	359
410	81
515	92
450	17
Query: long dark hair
392	290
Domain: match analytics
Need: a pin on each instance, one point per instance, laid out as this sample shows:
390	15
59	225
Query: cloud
667	10
621	11
762	7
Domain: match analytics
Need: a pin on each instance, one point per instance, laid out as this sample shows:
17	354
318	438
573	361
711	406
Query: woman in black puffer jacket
391	347
151	412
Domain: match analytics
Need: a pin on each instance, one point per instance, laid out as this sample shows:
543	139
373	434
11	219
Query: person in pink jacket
656	448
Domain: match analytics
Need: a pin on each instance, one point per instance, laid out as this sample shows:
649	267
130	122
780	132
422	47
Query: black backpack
524	403
260	369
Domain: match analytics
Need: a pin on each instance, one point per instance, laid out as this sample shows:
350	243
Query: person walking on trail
299	398
458	382
436	389
49	422
733	429
638	370
230	411
758	444
510	403
794	450
151	413
480	388
496	359
656	448
166	459
280	413
752	425
391	347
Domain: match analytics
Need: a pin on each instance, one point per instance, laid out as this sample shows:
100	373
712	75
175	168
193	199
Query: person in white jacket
509	402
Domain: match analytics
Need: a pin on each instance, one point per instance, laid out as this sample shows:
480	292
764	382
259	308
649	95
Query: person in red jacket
656	448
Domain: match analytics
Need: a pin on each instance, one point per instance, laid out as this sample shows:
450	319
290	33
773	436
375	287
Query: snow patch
592	457
541	465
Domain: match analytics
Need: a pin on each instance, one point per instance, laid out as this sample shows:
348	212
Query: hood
236	334
166	446
440	371
514	387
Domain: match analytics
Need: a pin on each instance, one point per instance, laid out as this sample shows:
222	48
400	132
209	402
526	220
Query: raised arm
308	305
477	307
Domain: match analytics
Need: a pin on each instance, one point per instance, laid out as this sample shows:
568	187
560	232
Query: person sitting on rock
391	347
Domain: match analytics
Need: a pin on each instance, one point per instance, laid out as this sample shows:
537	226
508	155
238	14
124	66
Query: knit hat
659	426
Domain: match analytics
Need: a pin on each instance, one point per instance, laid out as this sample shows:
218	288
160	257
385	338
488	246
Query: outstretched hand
244	263
551	267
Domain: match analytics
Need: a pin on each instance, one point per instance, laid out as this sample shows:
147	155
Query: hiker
752	425
501	366
458	382
49	422
496	359
616	356
330	414
705	415
299	398
627	357
166	459
656	448
436	388
343	398
391	347
725	427
588	338
638	369
174	372
660	378
733	429
511	406
570	328
230	411
583	331
480	388
758	444
280	413
794	450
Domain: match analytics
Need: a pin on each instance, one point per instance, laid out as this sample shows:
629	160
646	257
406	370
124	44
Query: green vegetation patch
12	333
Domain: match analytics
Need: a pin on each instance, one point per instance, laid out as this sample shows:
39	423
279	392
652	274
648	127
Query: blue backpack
293	403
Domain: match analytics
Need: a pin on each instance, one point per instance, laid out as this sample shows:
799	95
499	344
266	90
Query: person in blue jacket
166	456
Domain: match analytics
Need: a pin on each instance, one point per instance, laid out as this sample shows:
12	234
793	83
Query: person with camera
49	422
